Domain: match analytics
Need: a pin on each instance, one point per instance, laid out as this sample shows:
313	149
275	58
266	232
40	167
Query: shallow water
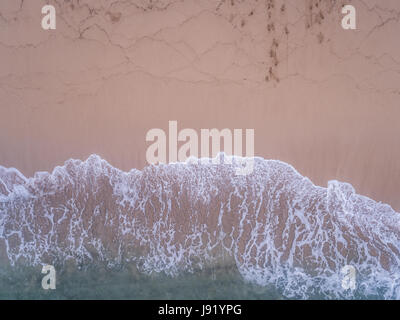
99	283
127	283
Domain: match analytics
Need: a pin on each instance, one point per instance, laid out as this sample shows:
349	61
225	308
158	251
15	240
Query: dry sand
321	98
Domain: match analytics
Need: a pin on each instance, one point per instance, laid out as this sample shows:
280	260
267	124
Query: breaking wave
275	225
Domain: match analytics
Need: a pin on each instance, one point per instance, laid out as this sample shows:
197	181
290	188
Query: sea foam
274	225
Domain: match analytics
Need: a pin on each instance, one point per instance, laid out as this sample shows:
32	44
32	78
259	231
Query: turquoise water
125	283
98	282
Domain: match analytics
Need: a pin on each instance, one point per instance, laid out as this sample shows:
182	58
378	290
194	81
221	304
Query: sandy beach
321	98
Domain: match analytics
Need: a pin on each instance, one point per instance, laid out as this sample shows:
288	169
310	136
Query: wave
274	225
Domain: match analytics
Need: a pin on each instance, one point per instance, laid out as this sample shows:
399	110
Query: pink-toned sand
321	98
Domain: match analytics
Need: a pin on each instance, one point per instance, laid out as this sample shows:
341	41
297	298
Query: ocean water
124	283
192	230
